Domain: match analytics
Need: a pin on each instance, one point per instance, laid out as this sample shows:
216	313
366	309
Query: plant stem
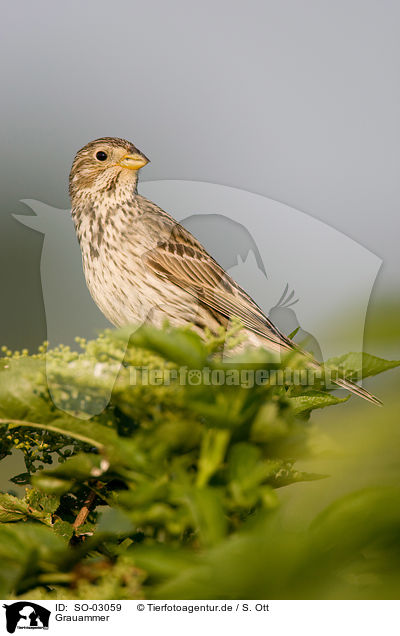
84	511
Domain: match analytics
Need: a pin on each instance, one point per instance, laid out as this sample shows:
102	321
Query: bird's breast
113	248
114	245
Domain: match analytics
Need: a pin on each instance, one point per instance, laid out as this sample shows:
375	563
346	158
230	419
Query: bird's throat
102	216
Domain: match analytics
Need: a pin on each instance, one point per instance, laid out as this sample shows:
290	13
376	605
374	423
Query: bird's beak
134	161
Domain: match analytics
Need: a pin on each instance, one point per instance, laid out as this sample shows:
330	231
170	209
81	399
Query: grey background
295	100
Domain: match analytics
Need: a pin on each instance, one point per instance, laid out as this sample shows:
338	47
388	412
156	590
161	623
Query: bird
141	265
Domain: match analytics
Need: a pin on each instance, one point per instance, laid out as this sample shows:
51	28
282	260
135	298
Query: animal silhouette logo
26	615
331	273
284	317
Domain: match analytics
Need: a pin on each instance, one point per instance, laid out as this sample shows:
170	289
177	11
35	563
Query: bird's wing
184	262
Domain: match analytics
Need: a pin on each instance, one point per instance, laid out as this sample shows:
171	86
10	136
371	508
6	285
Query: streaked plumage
140	264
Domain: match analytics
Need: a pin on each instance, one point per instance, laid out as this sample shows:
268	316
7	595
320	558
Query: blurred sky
295	100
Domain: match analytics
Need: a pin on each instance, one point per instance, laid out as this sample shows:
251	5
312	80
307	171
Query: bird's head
103	165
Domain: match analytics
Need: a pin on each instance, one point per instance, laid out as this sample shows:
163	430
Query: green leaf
52	485
288	475
79	467
35	505
12	508
220	415
76	469
360	365
314	400
22	479
247	470
63	529
162	561
292	335
22	390
242	461
212	453
206	508
114	522
27	550
375	511
181	346
42	502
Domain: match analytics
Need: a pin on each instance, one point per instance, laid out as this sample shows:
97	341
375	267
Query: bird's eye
101	155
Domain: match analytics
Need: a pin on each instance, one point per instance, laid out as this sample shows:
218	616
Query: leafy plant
172	481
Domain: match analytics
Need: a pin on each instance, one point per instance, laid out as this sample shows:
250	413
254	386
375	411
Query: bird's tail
288	345
343	383
357	390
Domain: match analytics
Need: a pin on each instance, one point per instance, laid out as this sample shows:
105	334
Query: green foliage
361	365
177	479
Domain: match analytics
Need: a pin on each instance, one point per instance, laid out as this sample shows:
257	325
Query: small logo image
26	615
